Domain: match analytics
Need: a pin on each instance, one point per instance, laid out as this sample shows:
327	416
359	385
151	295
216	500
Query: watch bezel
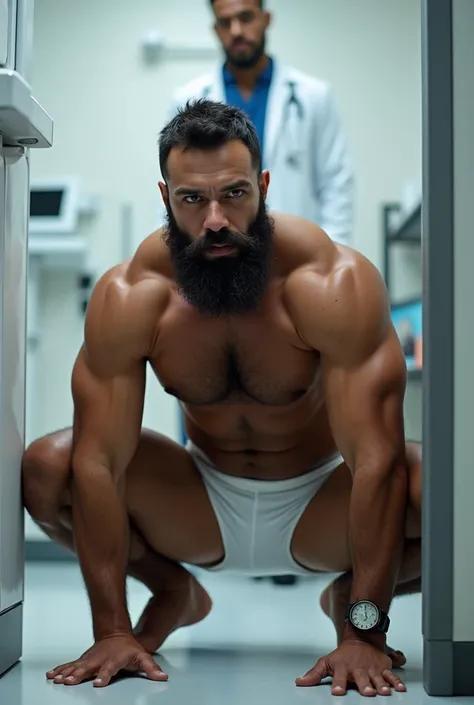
365	602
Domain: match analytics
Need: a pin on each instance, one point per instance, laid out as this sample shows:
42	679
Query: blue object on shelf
407	317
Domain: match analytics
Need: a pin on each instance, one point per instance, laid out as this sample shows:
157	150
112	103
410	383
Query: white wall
108	107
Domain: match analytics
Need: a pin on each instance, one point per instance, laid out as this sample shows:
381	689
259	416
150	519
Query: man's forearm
102	538
376	533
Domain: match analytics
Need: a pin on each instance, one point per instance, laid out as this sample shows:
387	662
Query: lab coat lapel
277	101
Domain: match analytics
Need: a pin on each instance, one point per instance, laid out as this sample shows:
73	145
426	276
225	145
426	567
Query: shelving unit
408	233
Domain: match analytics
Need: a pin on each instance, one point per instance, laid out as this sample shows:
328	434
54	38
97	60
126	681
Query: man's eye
192	198
247	17
235	193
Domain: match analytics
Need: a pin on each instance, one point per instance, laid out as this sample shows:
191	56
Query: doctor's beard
227	285
237	61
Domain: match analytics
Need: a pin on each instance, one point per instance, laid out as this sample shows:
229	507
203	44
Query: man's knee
45	475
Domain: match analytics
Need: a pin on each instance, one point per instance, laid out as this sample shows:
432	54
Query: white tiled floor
257	640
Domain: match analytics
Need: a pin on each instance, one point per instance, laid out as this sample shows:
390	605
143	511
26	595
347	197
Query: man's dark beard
226	285
250	61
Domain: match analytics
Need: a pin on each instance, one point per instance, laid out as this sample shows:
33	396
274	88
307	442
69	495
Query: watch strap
384	622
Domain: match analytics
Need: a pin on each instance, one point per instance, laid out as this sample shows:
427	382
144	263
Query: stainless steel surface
22	120
4	16
12	426
8	20
23	124
24	38
11	627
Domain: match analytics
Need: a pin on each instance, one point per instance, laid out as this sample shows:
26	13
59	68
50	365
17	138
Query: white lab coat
310	171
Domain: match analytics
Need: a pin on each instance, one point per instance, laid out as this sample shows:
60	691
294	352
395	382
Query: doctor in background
302	140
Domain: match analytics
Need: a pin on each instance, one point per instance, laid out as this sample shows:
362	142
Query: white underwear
257	518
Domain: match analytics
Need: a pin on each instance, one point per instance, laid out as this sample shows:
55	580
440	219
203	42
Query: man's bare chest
258	360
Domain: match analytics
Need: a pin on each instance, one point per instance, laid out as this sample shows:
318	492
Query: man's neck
247	78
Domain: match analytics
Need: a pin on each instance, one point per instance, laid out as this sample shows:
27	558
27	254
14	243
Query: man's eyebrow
241	183
189	191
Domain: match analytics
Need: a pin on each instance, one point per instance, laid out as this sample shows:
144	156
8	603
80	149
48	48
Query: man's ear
164	192
268	18
264	182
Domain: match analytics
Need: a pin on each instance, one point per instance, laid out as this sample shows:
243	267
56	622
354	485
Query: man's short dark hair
260	3
205	124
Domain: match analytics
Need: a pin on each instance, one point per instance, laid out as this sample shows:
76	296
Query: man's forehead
232	158
232	7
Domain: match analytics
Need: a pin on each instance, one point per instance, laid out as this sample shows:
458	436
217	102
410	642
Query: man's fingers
339	682
67	671
79	674
364	685
380	684
394	681
73	673
151	669
56	671
105	674
315	675
64	673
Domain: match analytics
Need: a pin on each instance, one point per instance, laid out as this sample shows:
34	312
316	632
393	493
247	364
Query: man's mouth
241	45
221	250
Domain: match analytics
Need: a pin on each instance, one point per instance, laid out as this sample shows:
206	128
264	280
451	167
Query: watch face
364	615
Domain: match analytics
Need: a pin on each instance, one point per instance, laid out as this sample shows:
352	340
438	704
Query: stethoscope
293	157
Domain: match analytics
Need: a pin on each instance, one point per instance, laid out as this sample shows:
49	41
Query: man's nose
215	218
236	28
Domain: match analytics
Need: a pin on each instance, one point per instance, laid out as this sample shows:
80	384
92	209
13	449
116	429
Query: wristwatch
367	617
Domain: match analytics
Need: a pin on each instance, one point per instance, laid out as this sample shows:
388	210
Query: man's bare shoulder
336	291
151	260
127	303
301	244
142	279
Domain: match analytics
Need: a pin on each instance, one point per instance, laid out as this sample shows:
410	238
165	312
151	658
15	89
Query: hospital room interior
85	90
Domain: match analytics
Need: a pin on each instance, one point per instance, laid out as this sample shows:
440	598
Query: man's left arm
333	175
364	377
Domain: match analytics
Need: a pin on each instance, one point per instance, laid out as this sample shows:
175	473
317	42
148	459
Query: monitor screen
46	204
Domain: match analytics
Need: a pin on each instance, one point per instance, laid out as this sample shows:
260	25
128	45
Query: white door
12	374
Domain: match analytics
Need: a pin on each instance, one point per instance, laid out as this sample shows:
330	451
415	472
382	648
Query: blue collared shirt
256	105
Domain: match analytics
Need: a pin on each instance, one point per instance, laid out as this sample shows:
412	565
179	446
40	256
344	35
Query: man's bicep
365	403
108	410
108	382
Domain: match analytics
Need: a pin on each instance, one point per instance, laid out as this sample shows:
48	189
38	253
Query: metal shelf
409	230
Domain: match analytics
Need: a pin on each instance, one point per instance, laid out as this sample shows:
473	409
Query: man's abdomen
262	442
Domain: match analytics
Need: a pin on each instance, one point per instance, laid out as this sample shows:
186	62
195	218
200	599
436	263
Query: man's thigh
169	505
321	539
163	490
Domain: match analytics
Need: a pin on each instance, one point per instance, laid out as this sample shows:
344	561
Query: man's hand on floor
355	662
105	659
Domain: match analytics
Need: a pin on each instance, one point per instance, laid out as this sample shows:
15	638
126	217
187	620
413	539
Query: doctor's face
219	232
241	26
